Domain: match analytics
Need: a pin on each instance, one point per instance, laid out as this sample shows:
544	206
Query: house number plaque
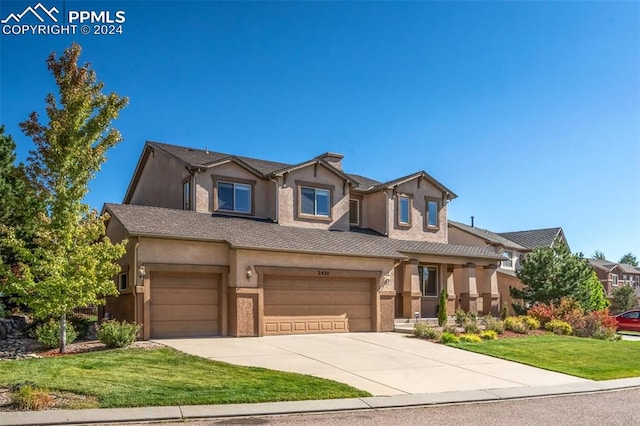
323	273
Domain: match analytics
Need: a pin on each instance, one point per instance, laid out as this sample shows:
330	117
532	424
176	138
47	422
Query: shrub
515	324
116	334
48	333
461	317
469	338
446	338
471	327
488	335
530	322
624	299
597	324
557	326
81	324
452	329
568	308
542	312
30	397
504	313
492	324
442	308
424	331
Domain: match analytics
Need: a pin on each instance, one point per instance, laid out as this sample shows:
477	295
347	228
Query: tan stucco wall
505	281
160	183
458	236
374	213
263	205
418	229
288	198
156	250
241	259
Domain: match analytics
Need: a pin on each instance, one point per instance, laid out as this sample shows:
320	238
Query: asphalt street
607	408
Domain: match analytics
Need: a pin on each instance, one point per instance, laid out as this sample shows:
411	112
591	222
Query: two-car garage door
185	304
316	305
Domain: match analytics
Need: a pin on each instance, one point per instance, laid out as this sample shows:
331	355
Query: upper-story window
234	197
315	201
186	195
614	280
354	212
404	210
433	206
507	264
428	280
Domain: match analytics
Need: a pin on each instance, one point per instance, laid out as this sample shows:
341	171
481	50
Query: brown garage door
307	305
184	305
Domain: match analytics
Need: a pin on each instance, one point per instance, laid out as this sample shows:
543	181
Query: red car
629	320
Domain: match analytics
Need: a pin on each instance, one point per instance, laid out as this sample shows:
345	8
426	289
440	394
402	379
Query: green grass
588	358
144	377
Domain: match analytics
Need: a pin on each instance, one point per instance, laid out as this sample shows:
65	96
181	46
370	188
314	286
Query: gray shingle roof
487	235
534	238
364	182
201	158
260	234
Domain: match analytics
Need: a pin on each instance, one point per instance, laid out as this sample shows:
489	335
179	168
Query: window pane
185	196
433	213
428	280
307	204
243	198
322	202
353	212
404	210
225	196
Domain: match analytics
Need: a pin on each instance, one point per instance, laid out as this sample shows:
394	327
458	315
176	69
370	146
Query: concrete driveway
381	363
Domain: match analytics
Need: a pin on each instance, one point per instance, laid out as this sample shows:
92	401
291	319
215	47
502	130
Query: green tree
624	298
551	273
596	298
598	255
442	308
73	263
629	259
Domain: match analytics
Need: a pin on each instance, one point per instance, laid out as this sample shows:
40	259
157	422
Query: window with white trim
404	206
354	212
507	264
428	280
614	280
234	197
315	201
122	281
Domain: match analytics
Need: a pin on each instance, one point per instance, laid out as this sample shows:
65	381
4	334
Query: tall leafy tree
73	263
624	298
598	255
551	273
629	259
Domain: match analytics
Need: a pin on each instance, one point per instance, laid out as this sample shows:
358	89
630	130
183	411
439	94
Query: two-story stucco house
613	275
227	245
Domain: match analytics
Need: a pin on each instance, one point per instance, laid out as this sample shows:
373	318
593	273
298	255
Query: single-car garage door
311	305
184	304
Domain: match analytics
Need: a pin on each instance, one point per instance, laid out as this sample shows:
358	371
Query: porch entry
430	286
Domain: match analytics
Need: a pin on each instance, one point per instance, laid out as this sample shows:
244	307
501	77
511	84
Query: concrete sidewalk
178	413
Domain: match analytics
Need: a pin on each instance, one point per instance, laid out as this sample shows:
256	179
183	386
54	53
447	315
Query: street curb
185	412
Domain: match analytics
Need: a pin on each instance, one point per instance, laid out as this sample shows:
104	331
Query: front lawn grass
152	377
587	358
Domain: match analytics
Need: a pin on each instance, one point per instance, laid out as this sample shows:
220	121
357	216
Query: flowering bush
542	312
557	326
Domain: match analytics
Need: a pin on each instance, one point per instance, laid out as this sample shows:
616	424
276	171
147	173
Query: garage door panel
182	312
317	297
351	311
184	304
193	296
167	329
295	305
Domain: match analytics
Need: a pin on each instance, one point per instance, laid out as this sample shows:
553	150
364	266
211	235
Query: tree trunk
63	333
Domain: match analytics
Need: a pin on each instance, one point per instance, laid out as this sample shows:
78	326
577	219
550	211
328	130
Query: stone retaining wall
9	326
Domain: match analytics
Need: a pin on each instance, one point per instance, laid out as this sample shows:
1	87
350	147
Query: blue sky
528	111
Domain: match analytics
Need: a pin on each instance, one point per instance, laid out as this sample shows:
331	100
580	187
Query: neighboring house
537	238
228	245
613	275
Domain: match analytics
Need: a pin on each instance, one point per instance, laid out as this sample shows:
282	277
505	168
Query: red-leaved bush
542	312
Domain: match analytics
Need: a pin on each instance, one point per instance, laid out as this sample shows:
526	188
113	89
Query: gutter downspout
386	213
135	280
